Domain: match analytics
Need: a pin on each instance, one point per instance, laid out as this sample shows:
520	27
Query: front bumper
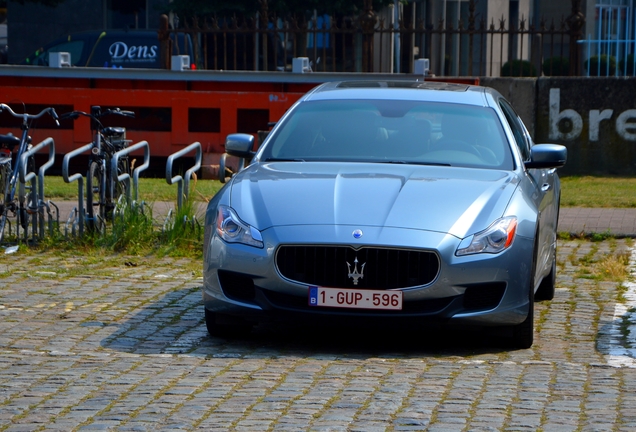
482	289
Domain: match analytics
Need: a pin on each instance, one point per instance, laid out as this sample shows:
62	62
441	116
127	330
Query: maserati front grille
365	268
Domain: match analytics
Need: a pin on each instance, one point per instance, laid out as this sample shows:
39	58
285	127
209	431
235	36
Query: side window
74	48
517	129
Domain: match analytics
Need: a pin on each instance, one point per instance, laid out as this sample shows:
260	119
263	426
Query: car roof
110	32
434	91
91	35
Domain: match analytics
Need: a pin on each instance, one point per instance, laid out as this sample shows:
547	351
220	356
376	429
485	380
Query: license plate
355	298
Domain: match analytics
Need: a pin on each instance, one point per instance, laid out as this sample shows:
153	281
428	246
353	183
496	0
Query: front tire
523	334
547	288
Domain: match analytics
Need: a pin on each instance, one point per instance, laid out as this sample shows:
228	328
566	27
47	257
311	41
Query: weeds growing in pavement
131	229
182	234
134	231
609	267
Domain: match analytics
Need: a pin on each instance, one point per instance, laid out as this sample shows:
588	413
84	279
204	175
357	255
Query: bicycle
100	201
9	171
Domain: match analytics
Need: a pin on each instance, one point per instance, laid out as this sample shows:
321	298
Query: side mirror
240	145
547	156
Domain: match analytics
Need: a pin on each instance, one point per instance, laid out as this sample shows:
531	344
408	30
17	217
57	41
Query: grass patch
598	192
621	289
150	189
614	267
610	267
599	237
594	237
182	234
133	230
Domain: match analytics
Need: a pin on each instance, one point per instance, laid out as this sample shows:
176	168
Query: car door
545	186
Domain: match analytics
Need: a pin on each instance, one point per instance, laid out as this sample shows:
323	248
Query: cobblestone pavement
119	343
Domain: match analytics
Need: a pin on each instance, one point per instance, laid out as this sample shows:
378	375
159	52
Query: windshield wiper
284	160
401	162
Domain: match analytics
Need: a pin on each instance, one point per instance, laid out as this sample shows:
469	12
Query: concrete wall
595	118
520	92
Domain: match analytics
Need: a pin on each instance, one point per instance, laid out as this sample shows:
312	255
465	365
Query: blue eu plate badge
313	296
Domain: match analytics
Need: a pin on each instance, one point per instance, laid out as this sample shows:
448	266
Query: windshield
391	131
41	58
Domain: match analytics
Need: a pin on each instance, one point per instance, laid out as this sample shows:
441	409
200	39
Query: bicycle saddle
9	141
113	130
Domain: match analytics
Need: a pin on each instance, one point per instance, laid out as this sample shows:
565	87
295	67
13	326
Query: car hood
458	201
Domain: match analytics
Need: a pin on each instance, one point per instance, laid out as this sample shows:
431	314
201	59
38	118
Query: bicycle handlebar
72	115
75	114
120	112
26	116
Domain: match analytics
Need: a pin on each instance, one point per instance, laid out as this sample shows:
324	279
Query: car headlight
233	230
494	239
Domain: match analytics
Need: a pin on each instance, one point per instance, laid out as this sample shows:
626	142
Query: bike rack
80	184
223	163
188	174
168	222
52	222
125	177
37	194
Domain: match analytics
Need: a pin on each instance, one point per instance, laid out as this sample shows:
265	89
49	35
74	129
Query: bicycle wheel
119	188
23	213
95	205
5	170
23	217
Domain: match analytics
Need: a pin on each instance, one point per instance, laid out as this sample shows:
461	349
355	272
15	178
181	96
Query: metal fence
372	42
609	51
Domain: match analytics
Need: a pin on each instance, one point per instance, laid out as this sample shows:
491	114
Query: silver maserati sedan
386	202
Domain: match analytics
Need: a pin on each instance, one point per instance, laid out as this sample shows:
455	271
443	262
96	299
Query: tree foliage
279	7
188	8
128	7
50	3
331	7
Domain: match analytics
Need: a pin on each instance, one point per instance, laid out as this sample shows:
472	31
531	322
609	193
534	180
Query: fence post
575	22
164	42
264	25
471	36
367	22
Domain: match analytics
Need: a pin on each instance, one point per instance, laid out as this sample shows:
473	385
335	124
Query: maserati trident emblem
355	275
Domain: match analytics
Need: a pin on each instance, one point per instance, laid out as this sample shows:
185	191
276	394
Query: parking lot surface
119	343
